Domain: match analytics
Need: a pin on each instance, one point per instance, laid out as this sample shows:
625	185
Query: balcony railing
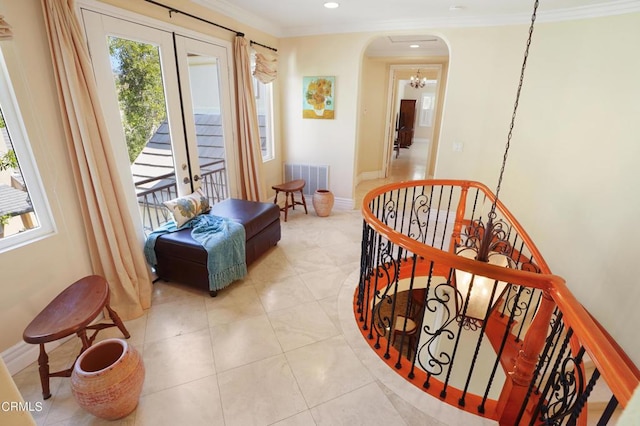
154	191
520	360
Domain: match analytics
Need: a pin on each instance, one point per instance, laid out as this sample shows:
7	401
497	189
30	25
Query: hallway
411	164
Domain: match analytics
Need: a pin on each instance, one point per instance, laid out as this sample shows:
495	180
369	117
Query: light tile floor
280	347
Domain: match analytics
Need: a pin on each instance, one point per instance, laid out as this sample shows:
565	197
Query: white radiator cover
315	176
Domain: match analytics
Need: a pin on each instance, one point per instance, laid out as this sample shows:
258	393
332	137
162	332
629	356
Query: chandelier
417	82
488	241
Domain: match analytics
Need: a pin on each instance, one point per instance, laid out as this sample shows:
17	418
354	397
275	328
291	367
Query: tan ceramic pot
107	379
323	202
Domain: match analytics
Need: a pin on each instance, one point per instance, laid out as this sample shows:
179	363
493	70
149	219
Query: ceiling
407	46
289	18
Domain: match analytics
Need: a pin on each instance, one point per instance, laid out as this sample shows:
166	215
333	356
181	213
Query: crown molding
619	7
567	14
418	53
227	8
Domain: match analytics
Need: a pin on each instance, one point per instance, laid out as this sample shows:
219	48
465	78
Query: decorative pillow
186	208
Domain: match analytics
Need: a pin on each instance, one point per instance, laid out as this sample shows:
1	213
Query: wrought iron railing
153	192
519	361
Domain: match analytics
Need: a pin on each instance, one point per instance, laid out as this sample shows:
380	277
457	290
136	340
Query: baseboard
21	355
343	203
338	203
369	176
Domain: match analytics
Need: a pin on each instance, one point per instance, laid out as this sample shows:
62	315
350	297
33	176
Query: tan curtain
115	245
248	132
5	30
266	67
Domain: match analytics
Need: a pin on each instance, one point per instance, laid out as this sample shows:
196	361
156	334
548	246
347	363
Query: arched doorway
389	62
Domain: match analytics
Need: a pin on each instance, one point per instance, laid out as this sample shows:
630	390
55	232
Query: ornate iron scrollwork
420	209
567	386
517	305
389	212
489	237
429	356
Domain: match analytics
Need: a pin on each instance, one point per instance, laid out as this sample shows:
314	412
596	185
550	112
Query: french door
167	101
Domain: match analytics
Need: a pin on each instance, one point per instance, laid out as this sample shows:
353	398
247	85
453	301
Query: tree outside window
140	91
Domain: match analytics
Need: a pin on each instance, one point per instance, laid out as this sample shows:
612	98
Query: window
427	108
264	106
24	214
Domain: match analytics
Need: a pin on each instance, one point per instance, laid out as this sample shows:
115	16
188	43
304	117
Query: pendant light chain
515	108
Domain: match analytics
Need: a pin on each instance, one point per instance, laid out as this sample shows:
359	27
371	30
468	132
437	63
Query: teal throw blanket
222	238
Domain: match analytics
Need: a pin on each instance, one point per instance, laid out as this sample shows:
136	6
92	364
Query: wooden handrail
615	367
617	347
464	184
529	279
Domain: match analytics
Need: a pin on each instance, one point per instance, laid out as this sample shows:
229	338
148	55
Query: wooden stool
289	188
71	312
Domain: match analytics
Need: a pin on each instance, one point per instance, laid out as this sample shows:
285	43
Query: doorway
167	100
388	63
412	142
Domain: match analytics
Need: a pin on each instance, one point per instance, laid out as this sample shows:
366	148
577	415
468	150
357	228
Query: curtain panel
266	67
115	244
248	131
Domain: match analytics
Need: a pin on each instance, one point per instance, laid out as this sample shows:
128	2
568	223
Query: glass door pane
137	73
207	120
137	80
167	103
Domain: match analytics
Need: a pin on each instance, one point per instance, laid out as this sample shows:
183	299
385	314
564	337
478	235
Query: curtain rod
238	33
262	45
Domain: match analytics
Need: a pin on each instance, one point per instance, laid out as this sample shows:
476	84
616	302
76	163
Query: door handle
196	178
186	180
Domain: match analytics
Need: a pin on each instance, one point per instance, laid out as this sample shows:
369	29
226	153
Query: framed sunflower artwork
318	97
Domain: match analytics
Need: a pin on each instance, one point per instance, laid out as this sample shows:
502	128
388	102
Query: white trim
137	18
420	23
378	174
242	15
11	110
22	354
226	72
340	203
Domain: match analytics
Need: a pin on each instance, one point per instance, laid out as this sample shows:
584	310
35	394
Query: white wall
332	142
572	171
571	175
425	131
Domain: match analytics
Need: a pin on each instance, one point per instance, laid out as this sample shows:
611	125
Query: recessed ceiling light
331	5
414	46
455	8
